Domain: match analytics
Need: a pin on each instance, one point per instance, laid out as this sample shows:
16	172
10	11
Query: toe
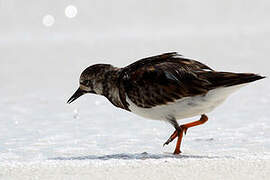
177	151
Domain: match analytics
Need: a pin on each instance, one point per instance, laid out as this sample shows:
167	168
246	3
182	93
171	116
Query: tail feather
226	79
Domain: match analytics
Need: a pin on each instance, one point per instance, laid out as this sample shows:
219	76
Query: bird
166	87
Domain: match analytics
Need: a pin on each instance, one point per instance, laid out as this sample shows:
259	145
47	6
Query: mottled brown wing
163	79
226	79
167	57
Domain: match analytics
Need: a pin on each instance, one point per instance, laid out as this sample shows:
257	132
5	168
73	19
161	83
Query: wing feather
163	79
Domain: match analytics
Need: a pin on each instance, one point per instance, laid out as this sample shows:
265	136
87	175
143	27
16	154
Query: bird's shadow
138	156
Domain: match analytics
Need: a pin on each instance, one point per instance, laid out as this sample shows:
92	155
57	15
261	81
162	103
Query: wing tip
248	78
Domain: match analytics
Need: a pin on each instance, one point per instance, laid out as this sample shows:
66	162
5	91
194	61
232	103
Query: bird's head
91	80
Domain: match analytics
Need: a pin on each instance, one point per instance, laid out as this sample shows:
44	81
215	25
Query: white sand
185	167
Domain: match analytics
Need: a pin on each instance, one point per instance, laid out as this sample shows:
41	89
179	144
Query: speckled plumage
168	77
168	86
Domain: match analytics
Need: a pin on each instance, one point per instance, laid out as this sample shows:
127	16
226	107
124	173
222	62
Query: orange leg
183	129
178	144
172	137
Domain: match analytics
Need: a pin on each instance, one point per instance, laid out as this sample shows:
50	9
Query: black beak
76	95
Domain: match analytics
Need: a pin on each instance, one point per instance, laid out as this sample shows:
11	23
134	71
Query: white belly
185	107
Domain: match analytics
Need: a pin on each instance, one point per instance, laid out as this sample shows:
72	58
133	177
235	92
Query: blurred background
44	46
61	38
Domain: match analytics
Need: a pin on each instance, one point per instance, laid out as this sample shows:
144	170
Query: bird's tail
226	79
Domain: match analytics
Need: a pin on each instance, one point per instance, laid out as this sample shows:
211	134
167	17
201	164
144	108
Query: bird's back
169	77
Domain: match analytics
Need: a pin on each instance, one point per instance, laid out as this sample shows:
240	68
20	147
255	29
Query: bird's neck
111	87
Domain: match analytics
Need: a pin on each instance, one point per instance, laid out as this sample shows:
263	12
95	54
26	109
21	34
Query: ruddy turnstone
166	87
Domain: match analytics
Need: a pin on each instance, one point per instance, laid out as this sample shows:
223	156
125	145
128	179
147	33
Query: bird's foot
175	134
177	151
171	138
180	130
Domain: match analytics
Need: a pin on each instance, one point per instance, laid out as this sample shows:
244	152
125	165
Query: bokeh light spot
48	20
71	11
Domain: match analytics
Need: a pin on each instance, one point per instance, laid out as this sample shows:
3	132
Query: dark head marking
91	80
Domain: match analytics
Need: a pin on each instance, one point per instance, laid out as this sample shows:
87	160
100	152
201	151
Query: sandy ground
144	166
